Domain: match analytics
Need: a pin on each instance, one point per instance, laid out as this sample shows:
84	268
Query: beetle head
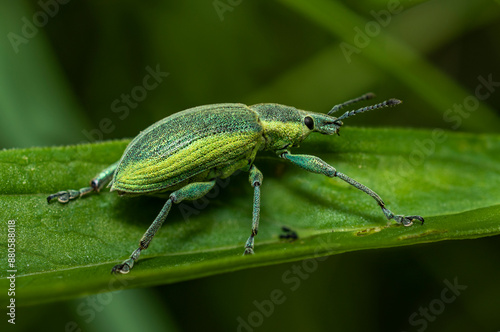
322	123
286	126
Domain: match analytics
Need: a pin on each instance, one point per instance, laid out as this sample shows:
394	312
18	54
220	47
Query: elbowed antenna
387	103
366	96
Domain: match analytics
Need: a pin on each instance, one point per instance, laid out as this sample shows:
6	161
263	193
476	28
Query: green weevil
186	152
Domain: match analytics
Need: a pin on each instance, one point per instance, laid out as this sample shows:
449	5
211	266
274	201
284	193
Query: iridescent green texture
200	143
186	152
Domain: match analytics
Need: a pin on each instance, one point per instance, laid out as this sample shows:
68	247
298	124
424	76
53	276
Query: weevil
186	152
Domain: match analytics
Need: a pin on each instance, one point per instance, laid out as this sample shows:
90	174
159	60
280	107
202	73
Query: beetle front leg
95	185
189	192
317	165
255	179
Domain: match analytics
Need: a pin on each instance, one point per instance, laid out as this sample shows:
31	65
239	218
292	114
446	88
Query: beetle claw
248	251
419	218
66	195
408	220
123	268
63	196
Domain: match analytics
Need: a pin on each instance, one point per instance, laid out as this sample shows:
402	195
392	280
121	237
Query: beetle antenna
366	96
387	103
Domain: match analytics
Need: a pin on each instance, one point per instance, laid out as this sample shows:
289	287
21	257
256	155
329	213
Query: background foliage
60	86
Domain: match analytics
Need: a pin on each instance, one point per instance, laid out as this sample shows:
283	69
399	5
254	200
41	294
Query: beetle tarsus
249	246
51	197
248	251
66	195
122	268
419	218
407	221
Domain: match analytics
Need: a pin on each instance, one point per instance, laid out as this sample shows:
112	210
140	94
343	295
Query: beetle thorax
283	126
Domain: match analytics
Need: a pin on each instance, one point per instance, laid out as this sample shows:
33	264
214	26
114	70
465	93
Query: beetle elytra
186	152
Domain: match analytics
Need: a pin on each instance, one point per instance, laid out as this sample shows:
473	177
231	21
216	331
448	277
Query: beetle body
186	152
204	143
193	145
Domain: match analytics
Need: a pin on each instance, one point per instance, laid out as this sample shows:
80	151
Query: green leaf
63	251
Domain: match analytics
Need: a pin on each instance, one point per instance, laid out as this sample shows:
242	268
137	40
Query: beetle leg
95	185
190	192
317	165
255	179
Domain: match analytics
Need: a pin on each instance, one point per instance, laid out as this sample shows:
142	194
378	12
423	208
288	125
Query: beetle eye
309	122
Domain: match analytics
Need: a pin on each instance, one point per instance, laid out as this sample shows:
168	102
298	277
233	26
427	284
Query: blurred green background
66	71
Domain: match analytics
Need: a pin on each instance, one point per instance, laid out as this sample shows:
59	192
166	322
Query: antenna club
393	102
369	95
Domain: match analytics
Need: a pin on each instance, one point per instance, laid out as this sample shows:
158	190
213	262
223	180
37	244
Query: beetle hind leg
190	192
96	184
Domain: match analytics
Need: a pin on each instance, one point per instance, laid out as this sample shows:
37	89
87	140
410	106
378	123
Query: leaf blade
68	250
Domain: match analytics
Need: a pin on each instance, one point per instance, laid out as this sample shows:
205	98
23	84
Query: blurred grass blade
396	57
36	108
64	251
327	72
